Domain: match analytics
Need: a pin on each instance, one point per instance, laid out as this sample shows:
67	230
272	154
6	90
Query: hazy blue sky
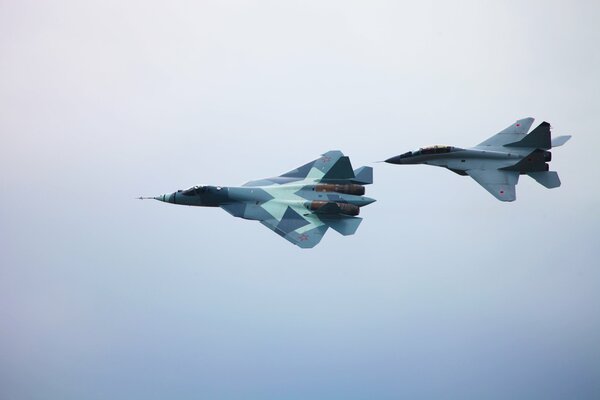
444	292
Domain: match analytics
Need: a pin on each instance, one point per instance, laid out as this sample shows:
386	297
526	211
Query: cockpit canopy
193	190
426	154
437	149
197	190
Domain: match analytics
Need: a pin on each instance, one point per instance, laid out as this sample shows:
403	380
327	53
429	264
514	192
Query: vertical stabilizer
539	138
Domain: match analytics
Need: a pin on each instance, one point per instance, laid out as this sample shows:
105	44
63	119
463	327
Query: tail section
548	179
340	171
539	138
536	161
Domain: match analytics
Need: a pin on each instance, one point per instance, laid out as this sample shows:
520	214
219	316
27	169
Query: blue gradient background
443	293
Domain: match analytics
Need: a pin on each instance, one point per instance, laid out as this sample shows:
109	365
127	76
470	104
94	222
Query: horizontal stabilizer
548	179
345	225
539	138
560	140
363	176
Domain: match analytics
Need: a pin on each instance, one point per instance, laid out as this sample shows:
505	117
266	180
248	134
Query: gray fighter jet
299	205
497	162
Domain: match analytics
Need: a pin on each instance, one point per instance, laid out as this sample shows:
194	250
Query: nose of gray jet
167	198
395	160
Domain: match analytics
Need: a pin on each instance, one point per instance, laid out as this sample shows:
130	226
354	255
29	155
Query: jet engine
328	207
350	188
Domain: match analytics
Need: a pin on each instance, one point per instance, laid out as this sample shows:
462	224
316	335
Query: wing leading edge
513	133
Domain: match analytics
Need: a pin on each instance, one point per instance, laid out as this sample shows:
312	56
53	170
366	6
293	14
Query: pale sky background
444	292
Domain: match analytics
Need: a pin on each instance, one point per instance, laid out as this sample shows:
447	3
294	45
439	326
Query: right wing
513	133
501	184
303	231
296	224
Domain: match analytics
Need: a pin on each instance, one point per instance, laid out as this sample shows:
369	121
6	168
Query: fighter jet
497	162
299	205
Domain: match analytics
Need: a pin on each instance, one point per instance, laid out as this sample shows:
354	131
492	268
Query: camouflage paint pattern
299	205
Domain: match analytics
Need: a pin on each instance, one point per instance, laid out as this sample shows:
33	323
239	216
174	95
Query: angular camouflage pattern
497	162
300	205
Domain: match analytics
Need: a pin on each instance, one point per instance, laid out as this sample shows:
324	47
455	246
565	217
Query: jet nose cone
394	160
164	197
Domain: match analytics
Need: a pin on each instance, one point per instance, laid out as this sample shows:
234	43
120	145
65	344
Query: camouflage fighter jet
299	205
497	162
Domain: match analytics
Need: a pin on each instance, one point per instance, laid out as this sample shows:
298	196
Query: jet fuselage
458	159
497	162
310	196
299	205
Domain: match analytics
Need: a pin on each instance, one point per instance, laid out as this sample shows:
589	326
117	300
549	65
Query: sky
444	292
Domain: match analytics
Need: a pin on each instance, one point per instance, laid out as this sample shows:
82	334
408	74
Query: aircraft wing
513	133
295	223
501	184
305	230
332	166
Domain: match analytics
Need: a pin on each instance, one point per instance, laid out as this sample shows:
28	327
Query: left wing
501	184
332	166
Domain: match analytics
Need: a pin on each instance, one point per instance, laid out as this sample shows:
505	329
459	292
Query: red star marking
303	237
326	159
518	124
502	192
